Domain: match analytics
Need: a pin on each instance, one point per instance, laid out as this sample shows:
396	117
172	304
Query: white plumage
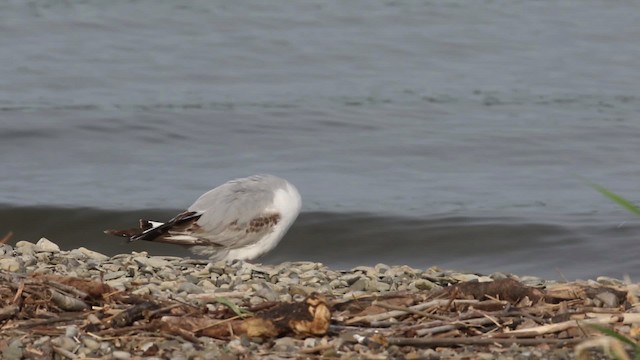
240	219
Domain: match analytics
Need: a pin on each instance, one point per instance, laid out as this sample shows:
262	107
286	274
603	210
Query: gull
241	219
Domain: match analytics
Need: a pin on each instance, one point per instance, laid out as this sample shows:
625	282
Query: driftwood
309	317
504	312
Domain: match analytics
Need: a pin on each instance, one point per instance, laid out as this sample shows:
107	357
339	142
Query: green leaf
617	198
228	303
605	330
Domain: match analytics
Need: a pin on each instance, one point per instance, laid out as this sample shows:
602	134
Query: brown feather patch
258	224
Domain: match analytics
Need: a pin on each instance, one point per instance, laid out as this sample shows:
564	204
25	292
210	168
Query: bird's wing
237	213
238	234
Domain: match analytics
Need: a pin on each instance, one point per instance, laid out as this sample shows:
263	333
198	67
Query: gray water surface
412	110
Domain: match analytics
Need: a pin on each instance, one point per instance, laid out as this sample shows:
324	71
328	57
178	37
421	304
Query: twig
395	313
18	295
6	238
66	288
217	323
66	302
66	353
409	310
625	318
213	298
8	311
116	331
38	322
456	325
161	310
456	341
316	349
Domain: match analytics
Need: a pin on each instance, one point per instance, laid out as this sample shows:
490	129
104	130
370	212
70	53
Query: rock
310	342
41	341
45	245
607	299
13	351
65	343
498	275
207	285
5	249
608	281
114	275
23	244
121	355
71	331
91	344
285	344
119	284
532	281
464	277
93	254
424	284
168	285
378	286
301	290
360	285
25	248
154	262
350	278
28	260
190	288
10	264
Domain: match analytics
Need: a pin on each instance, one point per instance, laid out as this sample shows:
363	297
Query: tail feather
157	231
124	233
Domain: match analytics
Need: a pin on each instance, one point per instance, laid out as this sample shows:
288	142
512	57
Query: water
421	132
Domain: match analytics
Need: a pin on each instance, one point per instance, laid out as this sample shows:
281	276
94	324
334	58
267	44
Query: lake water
459	134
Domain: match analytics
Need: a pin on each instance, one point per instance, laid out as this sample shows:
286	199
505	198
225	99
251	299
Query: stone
464	277
121	355
285	344
114	275
71	331
13	351
190	288
5	249
23	244
360	285
608	281
424	284
154	262
10	265
25	248
93	254
608	299
45	245
91	344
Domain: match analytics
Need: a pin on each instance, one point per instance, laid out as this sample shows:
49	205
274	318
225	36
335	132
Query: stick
394	313
215	297
455	325
66	353
8	311
626	318
6	237
447	342
410	310
316	349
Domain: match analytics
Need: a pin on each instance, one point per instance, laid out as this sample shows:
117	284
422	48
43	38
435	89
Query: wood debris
482	314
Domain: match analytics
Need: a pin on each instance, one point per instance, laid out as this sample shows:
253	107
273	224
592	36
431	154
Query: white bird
240	219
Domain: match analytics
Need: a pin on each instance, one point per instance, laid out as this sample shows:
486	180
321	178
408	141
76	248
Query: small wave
345	240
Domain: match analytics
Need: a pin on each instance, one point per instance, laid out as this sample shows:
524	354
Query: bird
241	219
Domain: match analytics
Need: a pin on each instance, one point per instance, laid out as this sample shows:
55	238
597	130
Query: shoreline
83	304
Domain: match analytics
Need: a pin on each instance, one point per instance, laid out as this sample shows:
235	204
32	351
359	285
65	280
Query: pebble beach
80	304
